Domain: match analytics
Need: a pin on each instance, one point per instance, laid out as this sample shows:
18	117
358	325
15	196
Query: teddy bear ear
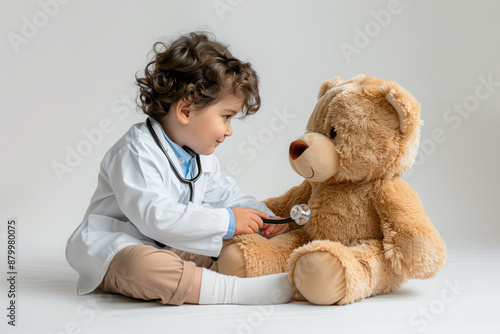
327	85
390	97
402	102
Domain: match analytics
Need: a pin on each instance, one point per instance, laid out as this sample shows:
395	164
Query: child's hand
272	230
248	221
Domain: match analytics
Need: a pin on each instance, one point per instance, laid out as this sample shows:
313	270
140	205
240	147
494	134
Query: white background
78	69
73	66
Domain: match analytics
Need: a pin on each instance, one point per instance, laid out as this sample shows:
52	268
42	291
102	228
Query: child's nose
229	130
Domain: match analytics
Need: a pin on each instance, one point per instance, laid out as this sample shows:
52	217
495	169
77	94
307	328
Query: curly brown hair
198	70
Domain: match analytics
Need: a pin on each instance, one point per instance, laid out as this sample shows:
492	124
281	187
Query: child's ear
183	112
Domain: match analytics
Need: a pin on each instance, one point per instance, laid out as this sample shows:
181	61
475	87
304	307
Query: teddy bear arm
281	205
411	242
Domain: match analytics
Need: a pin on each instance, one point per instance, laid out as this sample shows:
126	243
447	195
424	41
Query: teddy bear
368	232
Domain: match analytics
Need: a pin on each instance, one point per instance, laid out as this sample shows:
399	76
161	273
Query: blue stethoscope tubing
189	182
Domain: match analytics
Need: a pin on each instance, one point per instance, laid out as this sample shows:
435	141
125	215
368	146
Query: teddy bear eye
333	132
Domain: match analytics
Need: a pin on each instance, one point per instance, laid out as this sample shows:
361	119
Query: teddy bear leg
252	255
378	270
326	272
232	261
320	278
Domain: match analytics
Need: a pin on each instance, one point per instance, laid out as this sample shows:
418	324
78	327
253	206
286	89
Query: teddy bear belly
348	230
343	213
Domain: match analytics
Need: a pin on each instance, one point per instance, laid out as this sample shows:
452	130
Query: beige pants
167	276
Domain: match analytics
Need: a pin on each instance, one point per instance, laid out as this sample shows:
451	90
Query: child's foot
221	289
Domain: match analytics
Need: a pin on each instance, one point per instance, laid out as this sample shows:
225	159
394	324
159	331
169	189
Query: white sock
222	289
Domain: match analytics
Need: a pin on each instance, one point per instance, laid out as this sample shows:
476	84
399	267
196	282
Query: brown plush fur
363	213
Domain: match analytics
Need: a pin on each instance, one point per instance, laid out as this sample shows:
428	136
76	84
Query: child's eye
227	117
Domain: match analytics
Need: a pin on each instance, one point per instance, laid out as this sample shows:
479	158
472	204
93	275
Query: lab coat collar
181	152
206	160
166	145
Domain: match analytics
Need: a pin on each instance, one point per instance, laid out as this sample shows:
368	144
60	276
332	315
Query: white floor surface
461	299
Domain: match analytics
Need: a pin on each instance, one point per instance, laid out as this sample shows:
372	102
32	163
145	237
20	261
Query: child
191	91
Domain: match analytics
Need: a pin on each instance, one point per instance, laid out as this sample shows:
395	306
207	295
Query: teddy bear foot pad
320	278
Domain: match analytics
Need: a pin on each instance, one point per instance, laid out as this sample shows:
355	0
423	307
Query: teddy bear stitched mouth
305	177
309	177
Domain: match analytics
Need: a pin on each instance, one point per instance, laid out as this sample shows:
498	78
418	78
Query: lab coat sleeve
138	175
222	191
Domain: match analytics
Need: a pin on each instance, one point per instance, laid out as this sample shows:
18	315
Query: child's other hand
272	230
248	221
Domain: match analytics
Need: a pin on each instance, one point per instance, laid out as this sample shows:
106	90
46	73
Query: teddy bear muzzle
314	157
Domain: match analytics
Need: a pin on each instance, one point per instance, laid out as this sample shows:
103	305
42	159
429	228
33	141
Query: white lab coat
139	199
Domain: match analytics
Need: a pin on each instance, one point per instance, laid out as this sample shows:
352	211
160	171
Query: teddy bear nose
297	147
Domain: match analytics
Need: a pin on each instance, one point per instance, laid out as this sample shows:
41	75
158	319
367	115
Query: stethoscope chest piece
300	213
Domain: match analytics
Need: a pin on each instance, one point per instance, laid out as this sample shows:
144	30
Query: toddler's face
209	127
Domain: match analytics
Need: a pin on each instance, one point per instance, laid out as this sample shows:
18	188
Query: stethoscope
299	213
189	182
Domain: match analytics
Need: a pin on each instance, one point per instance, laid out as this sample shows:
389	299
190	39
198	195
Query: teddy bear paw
320	278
